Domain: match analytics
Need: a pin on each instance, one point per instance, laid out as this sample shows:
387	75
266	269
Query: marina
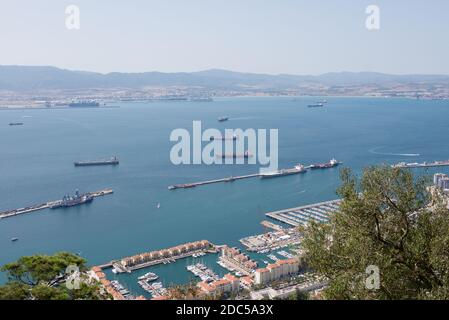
203	272
53	204
318	212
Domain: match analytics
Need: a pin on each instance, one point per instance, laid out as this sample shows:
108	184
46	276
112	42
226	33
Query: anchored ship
181	186
332	163
223	119
16	124
284	172
245	155
234	137
71	201
316	105
112	162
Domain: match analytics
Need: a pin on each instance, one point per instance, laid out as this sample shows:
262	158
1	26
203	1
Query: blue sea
36	165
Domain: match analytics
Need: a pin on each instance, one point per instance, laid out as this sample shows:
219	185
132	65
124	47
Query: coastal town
245	278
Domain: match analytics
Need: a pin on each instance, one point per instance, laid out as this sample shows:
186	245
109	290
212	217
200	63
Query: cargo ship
84	104
284	172
72	201
316	105
181	186
245	155
332	163
16	124
113	161
223	119
234	137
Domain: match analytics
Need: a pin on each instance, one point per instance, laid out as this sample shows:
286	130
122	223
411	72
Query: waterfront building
228	284
444	183
170	253
247	281
437	178
276	271
237	259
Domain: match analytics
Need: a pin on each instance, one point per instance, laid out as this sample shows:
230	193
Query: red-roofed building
276	271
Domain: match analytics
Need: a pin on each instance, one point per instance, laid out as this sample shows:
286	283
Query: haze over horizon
289	37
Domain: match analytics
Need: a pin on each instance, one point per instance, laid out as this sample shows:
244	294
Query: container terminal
67	201
422	165
298	169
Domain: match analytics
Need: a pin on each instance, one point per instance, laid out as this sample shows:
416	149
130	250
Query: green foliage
42	277
385	220
32	270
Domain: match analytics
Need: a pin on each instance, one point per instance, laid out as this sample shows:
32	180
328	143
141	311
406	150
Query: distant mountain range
30	78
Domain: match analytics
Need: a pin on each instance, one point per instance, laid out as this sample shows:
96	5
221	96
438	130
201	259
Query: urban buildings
233	258
155	257
228	284
441	181
276	271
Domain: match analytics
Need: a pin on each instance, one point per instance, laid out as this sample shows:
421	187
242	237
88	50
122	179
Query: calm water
36	165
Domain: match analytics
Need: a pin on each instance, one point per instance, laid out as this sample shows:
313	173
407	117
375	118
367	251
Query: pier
404	165
271	225
203	183
280	173
47	205
295	217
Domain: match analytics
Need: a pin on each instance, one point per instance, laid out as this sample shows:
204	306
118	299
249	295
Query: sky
258	36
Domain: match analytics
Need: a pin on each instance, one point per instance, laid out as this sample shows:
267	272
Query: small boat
158	205
14	239
223	119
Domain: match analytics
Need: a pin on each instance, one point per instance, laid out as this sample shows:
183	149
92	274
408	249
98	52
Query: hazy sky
264	36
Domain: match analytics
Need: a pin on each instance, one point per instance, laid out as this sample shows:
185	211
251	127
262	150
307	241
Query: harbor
54	204
295	217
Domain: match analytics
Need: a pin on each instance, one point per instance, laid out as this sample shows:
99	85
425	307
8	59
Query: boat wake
374	151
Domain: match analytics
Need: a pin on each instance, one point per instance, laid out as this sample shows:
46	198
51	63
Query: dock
404	165
283	172
318	212
271	225
203	183
47	205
